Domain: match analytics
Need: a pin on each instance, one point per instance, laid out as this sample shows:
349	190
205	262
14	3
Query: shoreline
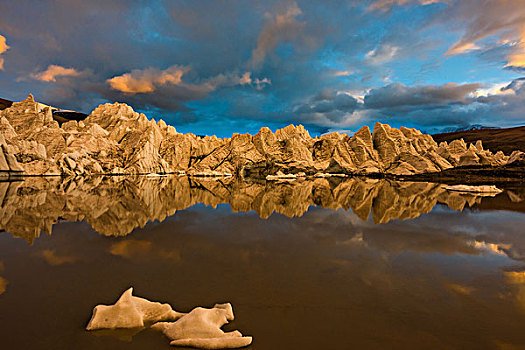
453	177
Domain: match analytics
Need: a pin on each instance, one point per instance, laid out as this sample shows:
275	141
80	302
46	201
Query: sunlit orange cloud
502	18
517	57
280	26
491	248
246	78
3	281
460	289
151	79
385	5
54	259
3	48
130	248
342	73
54	71
461	48
147	80
517	279
141	249
3	285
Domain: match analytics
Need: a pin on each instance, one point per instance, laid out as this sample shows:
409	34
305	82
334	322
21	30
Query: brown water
302	264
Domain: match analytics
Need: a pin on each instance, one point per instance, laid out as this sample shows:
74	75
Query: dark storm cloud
508	105
126	39
219	38
517	85
105	37
331	105
398	94
236	65
431	108
447	106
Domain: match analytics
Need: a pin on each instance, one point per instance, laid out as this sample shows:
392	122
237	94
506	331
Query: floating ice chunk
475	189
281	176
130	312
201	328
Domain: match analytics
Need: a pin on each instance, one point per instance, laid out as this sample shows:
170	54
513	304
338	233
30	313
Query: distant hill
5	103
470	127
506	140
65	116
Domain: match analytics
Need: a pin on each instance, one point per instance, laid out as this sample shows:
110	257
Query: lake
314	264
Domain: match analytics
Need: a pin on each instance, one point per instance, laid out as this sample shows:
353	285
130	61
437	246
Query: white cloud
382	54
493	89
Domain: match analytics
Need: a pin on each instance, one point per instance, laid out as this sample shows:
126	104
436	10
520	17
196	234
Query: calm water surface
307	265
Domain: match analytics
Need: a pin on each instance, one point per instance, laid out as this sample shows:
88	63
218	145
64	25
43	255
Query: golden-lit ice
130	312
484	189
201	328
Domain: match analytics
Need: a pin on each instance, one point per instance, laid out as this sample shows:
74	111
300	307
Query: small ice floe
156	175
201	328
281	176
209	173
485	189
130	312
322	175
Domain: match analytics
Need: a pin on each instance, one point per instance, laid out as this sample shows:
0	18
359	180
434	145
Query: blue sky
218	67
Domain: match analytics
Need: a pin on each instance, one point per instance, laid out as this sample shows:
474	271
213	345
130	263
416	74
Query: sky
219	67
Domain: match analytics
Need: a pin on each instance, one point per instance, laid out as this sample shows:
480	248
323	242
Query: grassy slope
506	140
